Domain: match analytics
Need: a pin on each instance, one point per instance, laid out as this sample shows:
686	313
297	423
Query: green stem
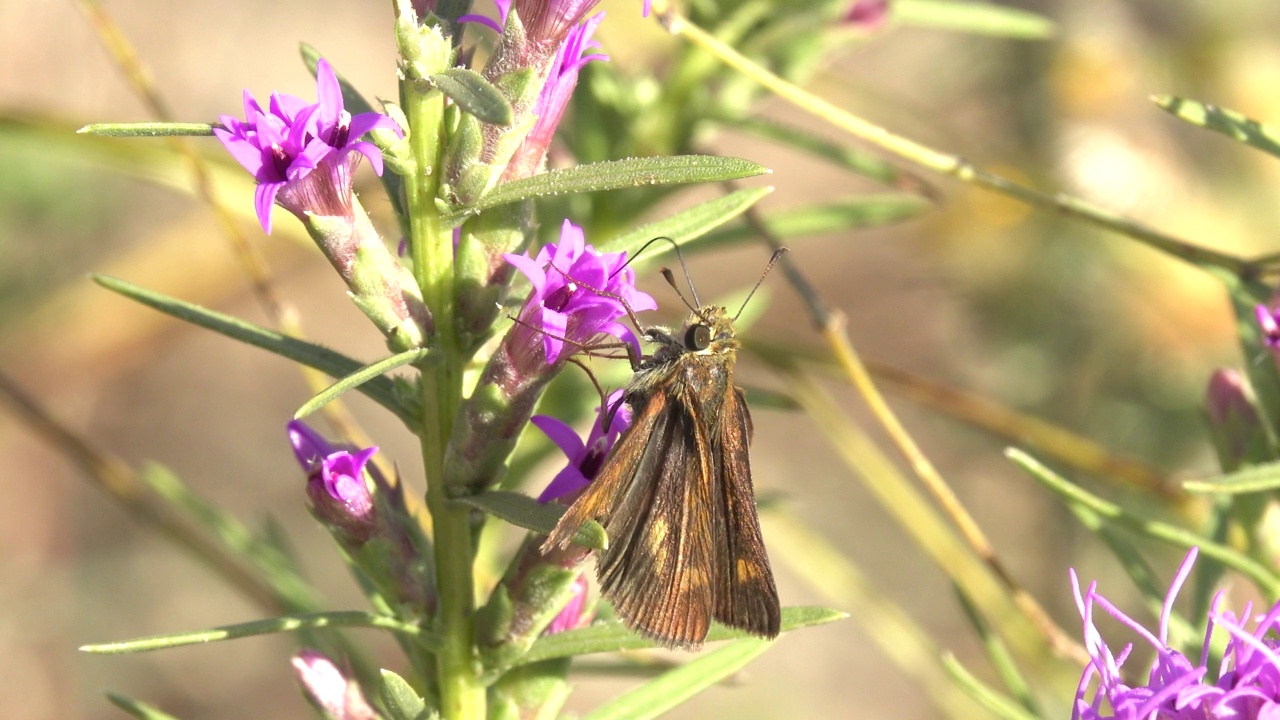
944	163
462	695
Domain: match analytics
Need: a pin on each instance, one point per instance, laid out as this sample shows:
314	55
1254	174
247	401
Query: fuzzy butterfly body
675	496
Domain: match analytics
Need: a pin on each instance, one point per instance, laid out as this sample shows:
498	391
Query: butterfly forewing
675	497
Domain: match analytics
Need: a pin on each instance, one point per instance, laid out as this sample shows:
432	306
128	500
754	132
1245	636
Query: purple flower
572	616
283	145
547	22
1267	320
567	304
868	14
329	688
335	482
554	97
1246	684
585	459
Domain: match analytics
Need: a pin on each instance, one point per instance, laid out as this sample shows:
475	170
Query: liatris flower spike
564	305
1245	685
562	314
284	145
340	497
304	157
374	527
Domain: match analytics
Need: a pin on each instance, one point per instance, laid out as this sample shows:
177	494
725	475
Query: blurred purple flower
564	304
868	14
555	96
284	145
329	688
585	459
335	482
1267	320
572	616
1246	684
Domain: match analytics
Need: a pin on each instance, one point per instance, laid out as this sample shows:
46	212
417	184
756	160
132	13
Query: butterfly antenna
777	255
683	266
671	280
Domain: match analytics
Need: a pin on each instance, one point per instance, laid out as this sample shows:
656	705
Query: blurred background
1087	330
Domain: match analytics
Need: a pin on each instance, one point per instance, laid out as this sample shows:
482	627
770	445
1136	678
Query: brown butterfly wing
653	496
745	594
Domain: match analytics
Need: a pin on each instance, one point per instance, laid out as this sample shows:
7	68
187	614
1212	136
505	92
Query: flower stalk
425	51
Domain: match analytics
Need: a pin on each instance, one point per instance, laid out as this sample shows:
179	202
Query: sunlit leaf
475	95
1228	122
616	175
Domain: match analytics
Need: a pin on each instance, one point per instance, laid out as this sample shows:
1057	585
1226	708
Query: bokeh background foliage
948	289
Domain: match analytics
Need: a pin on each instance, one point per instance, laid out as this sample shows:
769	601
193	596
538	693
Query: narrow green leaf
335	364
399	697
1228	122
997	703
358	378
673	687
616	175
275	568
851	158
147	129
862	212
759	398
978	18
1258	478
475	95
614	636
137	708
525	512
1001	660
285	623
685	225
1173	535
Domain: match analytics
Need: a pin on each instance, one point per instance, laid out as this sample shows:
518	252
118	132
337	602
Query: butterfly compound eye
698	337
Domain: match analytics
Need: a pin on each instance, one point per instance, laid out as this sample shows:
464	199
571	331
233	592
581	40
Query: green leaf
615	175
1004	664
759	398
399	697
685	225
999	705
614	636
525	512
1258	478
275	568
358	378
146	129
1173	535
1228	122
673	687
137	708
284	623
862	212
475	95
335	364
978	18
854	159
